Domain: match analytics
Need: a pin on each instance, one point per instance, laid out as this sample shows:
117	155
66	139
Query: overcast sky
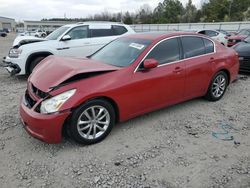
36	10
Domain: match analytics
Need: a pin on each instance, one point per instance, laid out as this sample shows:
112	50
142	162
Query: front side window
193	46
80	32
57	33
166	52
121	52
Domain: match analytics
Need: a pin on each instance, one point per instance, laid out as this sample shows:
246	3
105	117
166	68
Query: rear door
79	44
198	58
163	85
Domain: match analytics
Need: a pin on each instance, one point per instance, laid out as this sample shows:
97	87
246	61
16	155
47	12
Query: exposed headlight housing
15	52
53	104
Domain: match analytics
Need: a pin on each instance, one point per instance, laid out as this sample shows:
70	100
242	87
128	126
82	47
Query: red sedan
130	76
239	37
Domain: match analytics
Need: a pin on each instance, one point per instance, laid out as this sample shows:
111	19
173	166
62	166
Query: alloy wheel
93	122
219	86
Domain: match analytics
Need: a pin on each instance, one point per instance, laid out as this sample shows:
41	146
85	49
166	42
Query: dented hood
53	71
21	40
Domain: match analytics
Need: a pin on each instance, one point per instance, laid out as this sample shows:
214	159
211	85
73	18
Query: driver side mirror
65	38
150	63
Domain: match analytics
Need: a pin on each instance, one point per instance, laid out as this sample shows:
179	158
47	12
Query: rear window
193	46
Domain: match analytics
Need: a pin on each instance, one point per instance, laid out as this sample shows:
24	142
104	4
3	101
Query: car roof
94	23
161	35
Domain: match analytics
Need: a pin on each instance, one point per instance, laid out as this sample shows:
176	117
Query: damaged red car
130	76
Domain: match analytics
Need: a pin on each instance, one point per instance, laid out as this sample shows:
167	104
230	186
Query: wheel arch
112	102
64	130
34	55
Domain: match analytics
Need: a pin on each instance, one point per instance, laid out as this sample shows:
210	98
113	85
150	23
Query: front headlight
53	104
15	52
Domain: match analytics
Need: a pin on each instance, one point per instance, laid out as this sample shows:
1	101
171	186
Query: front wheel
92	122
217	87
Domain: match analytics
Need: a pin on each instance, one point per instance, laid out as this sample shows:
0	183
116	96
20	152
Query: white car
216	35
219	36
36	33
73	40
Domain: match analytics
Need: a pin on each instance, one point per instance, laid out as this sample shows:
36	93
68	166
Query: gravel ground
172	147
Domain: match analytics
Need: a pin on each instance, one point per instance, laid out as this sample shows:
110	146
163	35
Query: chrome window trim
180	59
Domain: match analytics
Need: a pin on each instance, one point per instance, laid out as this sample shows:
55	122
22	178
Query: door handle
212	60
86	43
177	70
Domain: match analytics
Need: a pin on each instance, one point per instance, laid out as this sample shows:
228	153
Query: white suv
74	40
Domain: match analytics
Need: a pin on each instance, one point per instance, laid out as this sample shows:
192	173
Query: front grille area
29	101
38	92
245	63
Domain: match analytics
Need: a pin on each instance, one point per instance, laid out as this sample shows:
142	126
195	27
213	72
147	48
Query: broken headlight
53	104
15	52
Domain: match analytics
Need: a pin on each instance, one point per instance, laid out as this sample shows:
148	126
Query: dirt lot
173	147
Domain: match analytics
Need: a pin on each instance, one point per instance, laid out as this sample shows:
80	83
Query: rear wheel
217	87
92	121
34	63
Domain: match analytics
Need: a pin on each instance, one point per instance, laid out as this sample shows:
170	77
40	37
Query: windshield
121	52
57	33
244	32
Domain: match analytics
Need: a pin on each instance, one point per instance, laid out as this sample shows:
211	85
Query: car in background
6	30
243	49
240	36
3	33
224	32
216	35
35	33
74	40
128	77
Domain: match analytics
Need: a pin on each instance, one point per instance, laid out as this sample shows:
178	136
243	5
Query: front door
79	44
160	86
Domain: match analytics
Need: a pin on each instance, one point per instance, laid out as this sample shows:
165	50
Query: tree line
173	11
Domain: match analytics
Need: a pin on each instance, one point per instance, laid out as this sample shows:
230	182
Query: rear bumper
45	127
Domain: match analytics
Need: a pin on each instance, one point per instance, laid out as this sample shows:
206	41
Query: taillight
226	37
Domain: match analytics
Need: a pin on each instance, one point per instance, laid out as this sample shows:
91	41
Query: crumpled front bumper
45	127
11	67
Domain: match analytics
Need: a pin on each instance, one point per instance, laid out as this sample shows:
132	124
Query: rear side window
101	32
193	46
166	52
118	30
209	45
211	33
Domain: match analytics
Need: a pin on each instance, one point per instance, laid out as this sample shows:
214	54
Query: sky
36	10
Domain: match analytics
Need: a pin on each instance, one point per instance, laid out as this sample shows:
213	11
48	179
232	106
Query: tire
217	87
83	132
43	35
34	63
